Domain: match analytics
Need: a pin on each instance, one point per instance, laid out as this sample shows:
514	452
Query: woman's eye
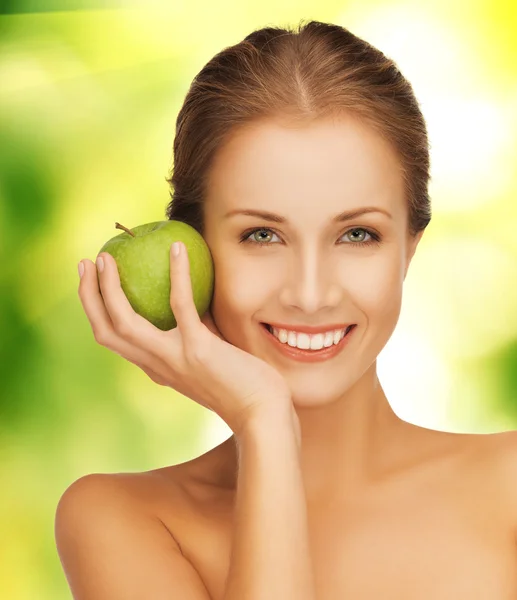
261	239
362	236
248	237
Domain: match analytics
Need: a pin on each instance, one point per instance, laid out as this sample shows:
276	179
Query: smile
308	355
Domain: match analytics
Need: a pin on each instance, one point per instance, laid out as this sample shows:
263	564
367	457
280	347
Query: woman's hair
296	76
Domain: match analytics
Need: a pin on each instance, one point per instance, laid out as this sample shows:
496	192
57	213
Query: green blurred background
89	94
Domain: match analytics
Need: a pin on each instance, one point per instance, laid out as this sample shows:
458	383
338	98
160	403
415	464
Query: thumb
181	297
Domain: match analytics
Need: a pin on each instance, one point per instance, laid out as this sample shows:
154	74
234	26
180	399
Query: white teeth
300	340
305	341
329	339
316	341
291	338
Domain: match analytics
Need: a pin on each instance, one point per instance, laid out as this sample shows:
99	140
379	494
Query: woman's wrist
270	420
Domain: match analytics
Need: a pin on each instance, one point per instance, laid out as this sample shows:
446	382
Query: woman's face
308	269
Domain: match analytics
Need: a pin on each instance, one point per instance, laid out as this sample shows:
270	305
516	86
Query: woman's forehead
332	165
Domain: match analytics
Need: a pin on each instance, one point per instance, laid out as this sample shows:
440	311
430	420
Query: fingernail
80	268
100	263
176	249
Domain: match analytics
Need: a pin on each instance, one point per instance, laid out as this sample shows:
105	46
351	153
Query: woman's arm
112	549
270	557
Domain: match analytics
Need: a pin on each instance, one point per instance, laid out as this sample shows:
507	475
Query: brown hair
298	75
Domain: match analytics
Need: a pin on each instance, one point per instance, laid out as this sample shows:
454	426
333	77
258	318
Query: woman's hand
193	358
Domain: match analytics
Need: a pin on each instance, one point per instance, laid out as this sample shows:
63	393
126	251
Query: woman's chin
305	395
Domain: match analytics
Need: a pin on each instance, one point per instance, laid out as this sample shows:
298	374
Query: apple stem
119	226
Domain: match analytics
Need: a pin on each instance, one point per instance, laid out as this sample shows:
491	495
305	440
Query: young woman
302	158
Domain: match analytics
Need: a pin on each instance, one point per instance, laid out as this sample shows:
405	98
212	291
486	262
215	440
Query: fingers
126	323
182	301
117	305
117	326
93	305
101	321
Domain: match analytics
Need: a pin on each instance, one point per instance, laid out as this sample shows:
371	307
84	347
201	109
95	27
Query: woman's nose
312	285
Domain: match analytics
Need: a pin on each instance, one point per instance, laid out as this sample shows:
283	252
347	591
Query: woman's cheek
378	290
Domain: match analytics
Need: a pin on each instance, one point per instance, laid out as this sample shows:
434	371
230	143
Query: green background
89	94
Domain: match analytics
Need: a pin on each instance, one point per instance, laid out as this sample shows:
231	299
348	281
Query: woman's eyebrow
344	216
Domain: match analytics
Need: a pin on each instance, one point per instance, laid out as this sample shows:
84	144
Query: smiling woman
322	492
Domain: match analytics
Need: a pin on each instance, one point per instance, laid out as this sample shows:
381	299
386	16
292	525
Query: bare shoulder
487	453
501	451
140	491
481	462
174	496
492	463
133	496
496	451
158	495
110	524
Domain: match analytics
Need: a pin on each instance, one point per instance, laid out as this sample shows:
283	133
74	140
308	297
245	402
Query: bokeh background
89	94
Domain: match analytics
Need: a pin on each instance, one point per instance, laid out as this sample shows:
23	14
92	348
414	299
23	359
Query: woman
302	158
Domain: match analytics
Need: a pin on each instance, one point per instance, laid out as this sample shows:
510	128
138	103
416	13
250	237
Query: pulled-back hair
297	76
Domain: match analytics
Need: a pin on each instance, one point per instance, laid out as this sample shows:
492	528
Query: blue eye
246	238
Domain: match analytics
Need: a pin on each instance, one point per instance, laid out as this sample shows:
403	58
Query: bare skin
395	511
311	270
440	528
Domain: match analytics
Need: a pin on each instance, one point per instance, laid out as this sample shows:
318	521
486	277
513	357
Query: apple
143	259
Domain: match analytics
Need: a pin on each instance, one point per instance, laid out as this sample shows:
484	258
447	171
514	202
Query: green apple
142	255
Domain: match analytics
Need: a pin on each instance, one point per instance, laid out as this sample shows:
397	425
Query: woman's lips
270	328
308	355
